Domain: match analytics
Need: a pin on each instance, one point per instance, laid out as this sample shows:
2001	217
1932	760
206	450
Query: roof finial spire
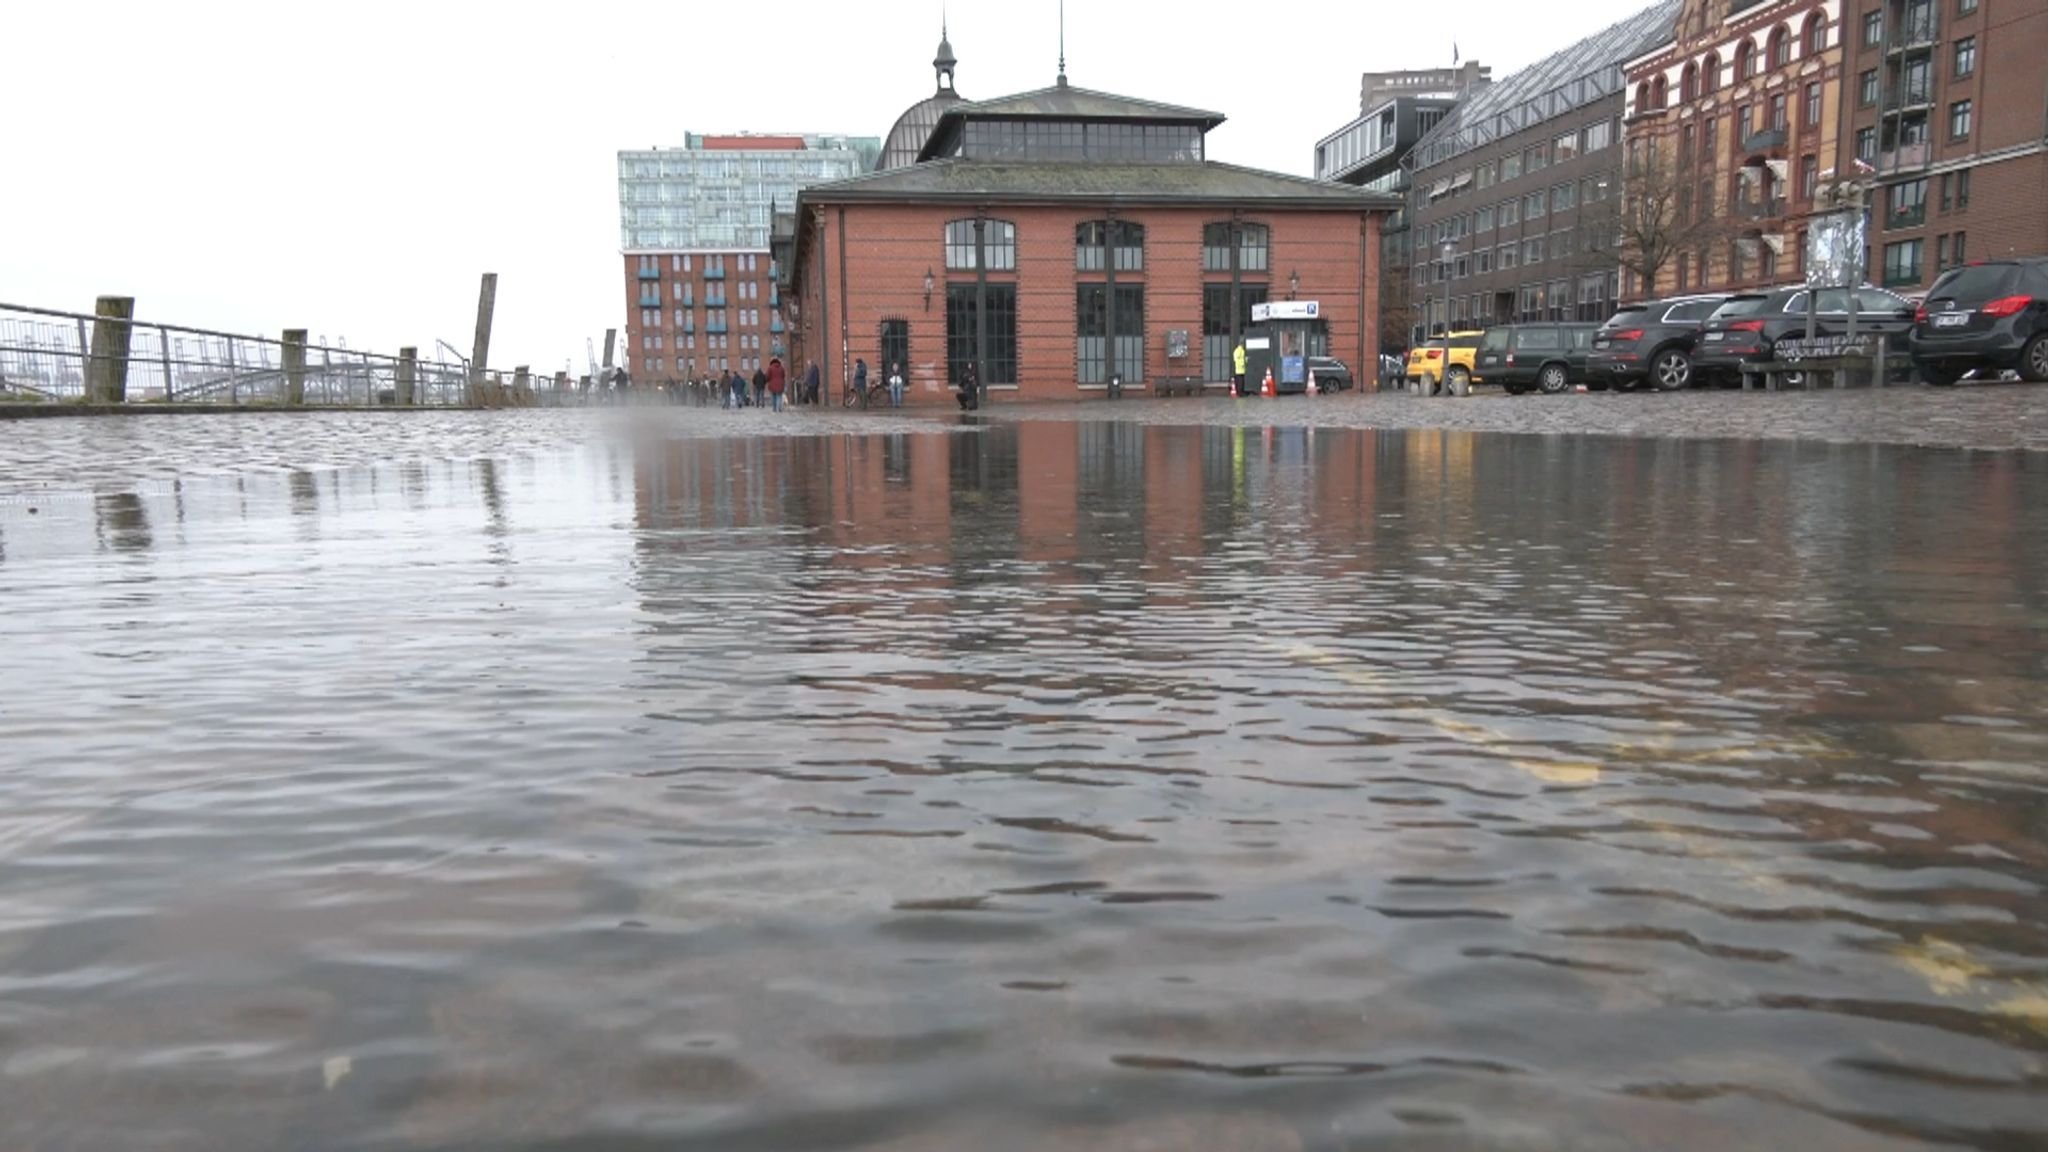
1063	43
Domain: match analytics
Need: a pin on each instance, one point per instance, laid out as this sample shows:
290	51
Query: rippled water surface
466	785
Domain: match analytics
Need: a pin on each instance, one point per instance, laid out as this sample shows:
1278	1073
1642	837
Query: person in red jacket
777	380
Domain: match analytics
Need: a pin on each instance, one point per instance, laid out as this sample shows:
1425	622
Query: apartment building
1731	125
1946	109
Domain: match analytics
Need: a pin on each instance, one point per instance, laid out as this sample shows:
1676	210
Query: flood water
1028	786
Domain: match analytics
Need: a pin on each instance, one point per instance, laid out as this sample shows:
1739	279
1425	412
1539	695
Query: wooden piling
106	371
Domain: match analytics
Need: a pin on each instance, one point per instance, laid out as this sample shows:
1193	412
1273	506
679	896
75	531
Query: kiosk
1283	335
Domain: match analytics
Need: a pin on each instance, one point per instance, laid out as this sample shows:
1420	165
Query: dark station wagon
1524	357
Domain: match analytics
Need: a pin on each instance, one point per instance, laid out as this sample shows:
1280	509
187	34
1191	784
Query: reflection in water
1063	786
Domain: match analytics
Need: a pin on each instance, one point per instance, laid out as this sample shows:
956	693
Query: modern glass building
716	192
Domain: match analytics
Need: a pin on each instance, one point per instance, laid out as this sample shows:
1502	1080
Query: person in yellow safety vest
1237	370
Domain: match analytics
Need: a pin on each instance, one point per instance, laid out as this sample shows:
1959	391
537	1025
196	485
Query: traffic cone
1266	387
1311	383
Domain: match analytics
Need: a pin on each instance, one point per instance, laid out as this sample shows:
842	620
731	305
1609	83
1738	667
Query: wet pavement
1154	781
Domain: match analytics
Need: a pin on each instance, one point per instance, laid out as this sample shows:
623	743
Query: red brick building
1943	101
1058	238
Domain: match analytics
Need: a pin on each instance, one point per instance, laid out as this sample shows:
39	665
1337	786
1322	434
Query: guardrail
53	356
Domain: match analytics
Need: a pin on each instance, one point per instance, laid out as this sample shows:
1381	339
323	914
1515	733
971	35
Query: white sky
352	167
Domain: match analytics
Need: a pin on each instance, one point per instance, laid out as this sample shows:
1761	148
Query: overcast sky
352	168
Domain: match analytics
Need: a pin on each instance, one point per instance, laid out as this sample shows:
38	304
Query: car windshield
1691	310
1495	340
1465	342
1978	282
1739	306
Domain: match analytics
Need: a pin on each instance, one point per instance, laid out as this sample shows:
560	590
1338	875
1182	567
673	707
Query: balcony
1772	209
714	301
1768	140
1905	158
650	300
715	328
714	273
776	327
1910	218
1909	98
1903	277
1913	35
650	273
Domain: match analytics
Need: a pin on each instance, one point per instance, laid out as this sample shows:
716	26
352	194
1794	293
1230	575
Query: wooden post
522	386
294	366
106	373
407	384
480	352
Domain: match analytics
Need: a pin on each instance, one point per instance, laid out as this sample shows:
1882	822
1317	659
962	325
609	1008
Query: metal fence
44	355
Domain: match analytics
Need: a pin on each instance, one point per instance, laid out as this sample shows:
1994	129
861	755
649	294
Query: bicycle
862	397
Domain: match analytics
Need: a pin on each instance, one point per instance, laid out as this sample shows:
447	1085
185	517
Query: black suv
1991	316
1332	374
1750	327
1519	357
1651	342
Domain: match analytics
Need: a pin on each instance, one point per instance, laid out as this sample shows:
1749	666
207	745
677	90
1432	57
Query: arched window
1251	247
1126	238
998	245
1643	98
1710	73
1816	38
1660	92
1689	83
1781	46
1745	61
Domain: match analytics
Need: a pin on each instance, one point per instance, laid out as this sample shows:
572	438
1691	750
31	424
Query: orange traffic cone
1311	383
1266	387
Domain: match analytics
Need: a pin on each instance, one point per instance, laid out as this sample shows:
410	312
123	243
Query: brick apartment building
1060	237
1510	189
1731	123
694	225
1946	105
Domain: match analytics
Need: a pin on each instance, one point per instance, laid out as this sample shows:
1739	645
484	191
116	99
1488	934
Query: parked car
1758	327
1650	342
1392	369
1522	357
1987	317
1444	362
1332	374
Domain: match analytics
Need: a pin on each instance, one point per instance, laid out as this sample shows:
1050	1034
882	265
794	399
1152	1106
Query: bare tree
1665	207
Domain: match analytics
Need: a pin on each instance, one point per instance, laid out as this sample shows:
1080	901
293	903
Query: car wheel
1460	382
1941	373
2034	359
1671	371
1552	379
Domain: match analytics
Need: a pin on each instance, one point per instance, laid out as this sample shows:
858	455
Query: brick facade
1980	194
1476	286
1743	195
671	314
865	263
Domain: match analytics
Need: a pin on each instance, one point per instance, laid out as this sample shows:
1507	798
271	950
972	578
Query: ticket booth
1283	335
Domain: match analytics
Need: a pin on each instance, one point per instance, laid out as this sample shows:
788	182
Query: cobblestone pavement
1995	416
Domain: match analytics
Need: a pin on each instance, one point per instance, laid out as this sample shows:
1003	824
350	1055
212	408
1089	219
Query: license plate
1951	319
1601	345
1713	337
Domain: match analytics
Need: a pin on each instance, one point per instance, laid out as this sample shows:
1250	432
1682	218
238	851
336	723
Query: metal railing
46	354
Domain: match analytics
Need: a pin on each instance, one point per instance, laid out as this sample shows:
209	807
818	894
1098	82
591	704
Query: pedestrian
736	388
1237	369
969	394
776	382
811	383
896	385
860	380
760	382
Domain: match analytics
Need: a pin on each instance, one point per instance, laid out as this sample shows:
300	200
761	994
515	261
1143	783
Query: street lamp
1448	251
927	288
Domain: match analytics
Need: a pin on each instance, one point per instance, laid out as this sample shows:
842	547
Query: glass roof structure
1550	88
